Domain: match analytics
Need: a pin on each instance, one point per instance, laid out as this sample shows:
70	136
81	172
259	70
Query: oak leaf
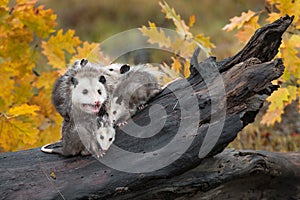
238	22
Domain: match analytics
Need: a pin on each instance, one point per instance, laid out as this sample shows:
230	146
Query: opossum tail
55	147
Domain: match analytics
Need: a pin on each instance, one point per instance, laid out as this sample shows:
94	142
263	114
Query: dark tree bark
162	168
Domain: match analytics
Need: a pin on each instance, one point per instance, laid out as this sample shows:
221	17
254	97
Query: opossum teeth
92	107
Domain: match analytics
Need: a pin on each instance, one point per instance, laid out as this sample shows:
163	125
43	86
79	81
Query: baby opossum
113	73
78	96
133	90
105	133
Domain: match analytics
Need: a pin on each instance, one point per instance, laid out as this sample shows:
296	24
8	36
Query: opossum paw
100	154
122	124
85	152
142	106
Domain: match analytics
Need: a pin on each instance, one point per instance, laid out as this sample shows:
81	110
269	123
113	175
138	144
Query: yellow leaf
248	29
238	22
3	3
54	48
41	21
181	27
289	54
292	93
186	69
192	20
23	109
205	41
16	134
169	74
272	17
156	36
92	52
176	65
6	86
272	116
23	89
295	40
278	99
46	80
52	175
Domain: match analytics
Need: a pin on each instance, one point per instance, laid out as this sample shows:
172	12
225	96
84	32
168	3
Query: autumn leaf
205	41
238	22
272	17
23	109
180	25
192	20
41	21
156	36
169	74
54	48
289	53
176	65
248	29
186	69
92	52
278	101
272	116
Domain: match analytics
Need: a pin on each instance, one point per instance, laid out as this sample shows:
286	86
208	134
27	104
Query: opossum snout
98	103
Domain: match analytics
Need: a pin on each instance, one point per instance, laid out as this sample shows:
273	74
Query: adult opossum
78	96
133	90
61	92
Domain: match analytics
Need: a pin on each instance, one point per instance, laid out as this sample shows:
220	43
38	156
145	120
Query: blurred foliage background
95	21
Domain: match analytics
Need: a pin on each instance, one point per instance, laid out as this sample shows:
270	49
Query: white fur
118	113
88	102
105	136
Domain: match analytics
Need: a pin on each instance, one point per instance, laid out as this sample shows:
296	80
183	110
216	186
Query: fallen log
169	155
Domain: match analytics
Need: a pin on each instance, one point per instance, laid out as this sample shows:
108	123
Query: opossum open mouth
91	108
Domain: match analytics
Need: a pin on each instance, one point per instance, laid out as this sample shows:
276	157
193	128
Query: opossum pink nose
97	103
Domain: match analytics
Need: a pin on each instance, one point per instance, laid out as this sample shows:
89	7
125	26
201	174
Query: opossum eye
110	139
101	137
114	112
99	92
85	91
111	69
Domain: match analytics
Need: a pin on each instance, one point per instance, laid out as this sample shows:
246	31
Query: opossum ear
74	81
83	62
125	68
102	79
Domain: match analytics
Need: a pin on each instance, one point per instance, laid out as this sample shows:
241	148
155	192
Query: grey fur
79	108
113	74
133	90
61	90
105	133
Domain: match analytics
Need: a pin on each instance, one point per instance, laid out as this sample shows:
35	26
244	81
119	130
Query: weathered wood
159	165
229	175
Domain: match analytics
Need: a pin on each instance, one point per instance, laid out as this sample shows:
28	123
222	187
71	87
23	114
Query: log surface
158	167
